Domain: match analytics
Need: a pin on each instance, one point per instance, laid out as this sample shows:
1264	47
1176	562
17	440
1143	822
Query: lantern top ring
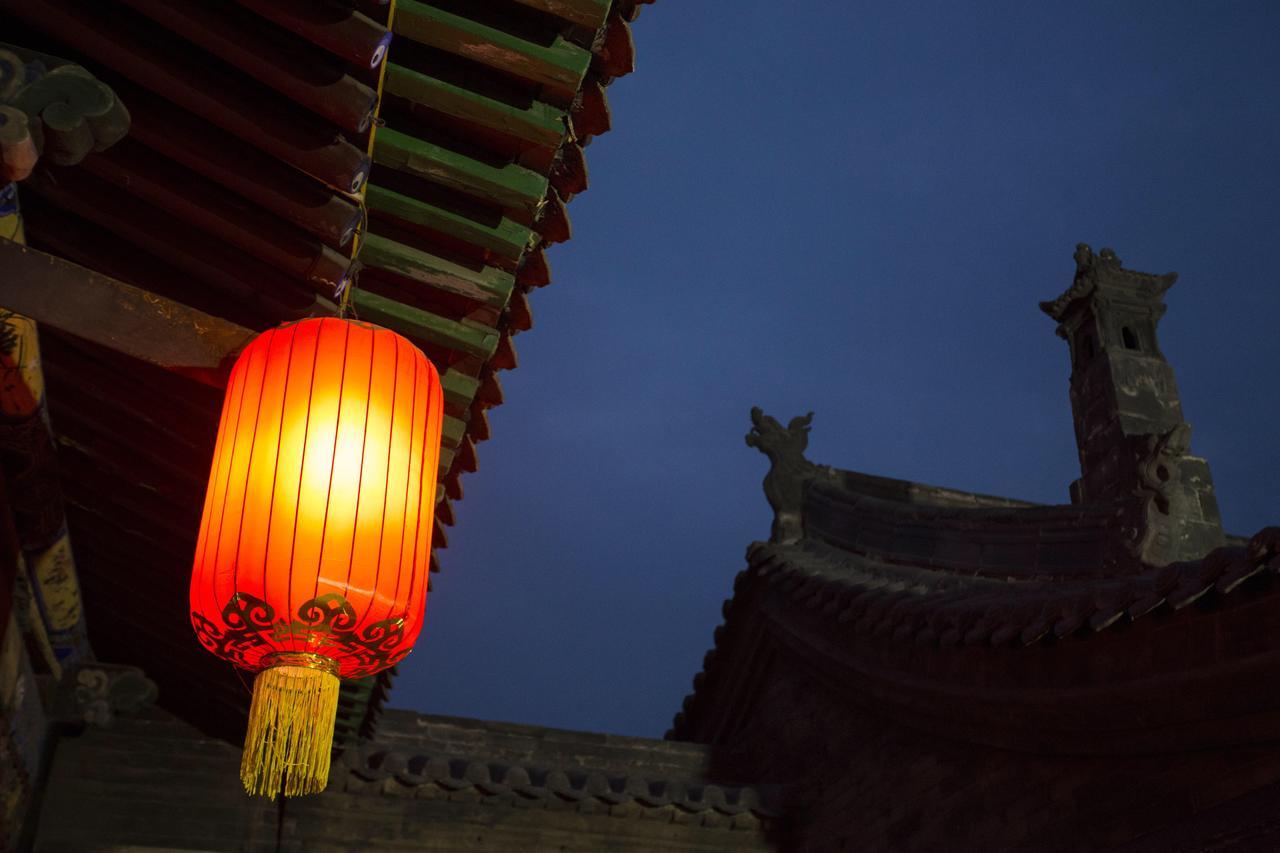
309	660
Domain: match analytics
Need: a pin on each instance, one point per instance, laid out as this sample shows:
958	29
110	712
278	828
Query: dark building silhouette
924	668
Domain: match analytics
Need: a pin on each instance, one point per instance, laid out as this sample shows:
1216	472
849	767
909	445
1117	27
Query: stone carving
1088	264
1106	266
1158	463
789	471
1103	267
1134	444
50	107
95	694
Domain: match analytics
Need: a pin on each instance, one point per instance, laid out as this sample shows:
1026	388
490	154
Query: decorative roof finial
1105	269
789	471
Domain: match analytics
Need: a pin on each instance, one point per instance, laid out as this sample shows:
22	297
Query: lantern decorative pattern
314	546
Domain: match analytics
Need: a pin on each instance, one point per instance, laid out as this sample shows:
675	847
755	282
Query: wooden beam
117	315
487	285
506	238
617	55
586	13
455	429
534	271
540	124
459	388
558	67
326	90
465	336
239	167
592	116
446	461
346	33
128	319
509	185
228	99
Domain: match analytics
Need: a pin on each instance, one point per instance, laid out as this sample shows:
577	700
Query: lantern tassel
290	737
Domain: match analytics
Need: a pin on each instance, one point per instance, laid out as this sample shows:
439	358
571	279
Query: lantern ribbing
315	542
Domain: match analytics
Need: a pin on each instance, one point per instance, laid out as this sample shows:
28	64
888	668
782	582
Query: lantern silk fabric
316	535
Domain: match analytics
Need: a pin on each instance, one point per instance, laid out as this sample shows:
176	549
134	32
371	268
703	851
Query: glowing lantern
313	552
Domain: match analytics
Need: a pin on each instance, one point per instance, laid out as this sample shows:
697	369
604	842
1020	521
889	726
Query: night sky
850	208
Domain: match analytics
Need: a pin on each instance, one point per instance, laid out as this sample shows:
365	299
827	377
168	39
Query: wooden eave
251	193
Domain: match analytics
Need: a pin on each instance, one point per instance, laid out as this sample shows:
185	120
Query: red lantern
314	547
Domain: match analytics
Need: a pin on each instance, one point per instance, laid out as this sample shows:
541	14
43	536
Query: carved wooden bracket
52	108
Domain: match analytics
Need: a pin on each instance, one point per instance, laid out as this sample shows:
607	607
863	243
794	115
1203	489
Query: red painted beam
307	76
341	30
143	54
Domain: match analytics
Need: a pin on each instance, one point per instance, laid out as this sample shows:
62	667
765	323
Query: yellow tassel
290	737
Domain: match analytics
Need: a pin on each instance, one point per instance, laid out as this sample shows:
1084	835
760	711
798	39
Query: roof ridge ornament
1104	268
789	471
1131	434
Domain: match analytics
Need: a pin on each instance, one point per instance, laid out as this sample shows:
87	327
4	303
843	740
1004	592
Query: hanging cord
345	308
280	823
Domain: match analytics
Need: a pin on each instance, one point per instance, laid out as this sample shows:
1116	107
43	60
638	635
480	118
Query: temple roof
961	533
920	597
277	167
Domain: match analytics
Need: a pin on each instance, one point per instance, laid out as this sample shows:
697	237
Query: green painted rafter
511	186
584	13
488	285
453	431
465	336
506	238
459	388
560	66
539	123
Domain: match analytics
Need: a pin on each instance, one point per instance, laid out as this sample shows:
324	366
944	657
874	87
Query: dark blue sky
852	208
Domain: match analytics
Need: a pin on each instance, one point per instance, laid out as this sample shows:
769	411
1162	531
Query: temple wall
150	782
154	782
